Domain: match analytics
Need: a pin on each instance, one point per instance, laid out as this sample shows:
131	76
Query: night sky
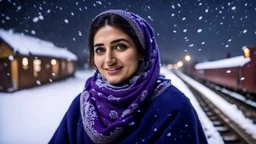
205	29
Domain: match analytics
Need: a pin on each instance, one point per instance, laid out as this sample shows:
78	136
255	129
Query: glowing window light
246	52
25	62
53	62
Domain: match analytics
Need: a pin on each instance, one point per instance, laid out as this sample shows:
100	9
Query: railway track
248	109
230	132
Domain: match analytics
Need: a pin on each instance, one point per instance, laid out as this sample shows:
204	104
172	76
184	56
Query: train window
254	53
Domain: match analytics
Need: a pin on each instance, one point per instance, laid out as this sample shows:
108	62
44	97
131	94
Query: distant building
27	61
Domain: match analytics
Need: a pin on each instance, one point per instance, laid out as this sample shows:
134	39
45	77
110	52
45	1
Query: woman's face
115	55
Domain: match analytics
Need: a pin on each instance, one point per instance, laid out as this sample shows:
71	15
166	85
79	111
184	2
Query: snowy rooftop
224	63
27	44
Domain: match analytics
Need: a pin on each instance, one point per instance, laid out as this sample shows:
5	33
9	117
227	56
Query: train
235	73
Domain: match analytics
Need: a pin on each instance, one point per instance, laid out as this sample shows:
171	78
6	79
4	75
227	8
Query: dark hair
115	21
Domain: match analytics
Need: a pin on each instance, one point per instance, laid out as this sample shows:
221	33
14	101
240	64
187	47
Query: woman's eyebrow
118	40
99	44
113	42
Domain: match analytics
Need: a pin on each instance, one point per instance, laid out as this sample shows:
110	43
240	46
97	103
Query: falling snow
199	30
11	58
35	19
149	17
33	32
41	17
7	18
38	82
66	21
79	33
169	134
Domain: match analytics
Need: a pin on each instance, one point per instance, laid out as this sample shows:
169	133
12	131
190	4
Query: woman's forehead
109	33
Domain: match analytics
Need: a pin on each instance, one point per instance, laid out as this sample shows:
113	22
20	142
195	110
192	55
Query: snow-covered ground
31	116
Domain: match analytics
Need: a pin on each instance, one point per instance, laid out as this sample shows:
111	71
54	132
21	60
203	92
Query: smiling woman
126	100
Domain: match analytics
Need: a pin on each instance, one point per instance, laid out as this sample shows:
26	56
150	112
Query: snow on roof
27	44
224	63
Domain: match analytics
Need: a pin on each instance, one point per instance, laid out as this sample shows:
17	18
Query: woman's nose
110	58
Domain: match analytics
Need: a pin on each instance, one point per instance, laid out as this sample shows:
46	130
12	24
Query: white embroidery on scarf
110	97
113	114
126	112
144	95
134	106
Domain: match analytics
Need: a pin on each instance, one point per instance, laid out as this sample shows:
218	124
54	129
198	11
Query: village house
26	61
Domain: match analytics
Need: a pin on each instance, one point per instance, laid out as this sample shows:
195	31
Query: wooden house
26	61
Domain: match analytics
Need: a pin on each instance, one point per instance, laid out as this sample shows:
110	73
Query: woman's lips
113	70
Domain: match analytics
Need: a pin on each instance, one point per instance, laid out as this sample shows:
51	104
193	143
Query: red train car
238	73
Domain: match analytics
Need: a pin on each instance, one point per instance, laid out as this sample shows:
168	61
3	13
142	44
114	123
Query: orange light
180	64
169	66
25	62
187	57
53	62
246	52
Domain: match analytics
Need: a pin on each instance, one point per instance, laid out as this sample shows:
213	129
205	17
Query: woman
126	100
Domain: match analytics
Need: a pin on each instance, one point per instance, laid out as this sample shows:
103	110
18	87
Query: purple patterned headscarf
108	110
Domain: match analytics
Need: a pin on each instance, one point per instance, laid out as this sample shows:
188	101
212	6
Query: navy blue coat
169	118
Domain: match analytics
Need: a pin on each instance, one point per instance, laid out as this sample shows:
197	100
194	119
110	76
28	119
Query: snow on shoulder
26	45
224	63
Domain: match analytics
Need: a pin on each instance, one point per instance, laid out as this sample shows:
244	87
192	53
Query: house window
37	67
53	62
63	66
55	67
70	67
25	63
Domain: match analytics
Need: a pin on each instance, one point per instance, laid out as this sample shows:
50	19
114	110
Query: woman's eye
99	50
121	47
